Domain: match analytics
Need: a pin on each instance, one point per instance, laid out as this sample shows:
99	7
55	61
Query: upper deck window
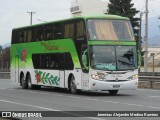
103	29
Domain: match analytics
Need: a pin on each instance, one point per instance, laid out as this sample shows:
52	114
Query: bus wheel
29	83
72	86
23	82
113	92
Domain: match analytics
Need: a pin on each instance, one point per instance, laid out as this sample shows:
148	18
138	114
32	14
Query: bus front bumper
104	86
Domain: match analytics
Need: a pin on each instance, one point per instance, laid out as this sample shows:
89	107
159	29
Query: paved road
14	98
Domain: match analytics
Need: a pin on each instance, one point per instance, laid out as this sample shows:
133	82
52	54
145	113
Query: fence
4	75
149	80
146	79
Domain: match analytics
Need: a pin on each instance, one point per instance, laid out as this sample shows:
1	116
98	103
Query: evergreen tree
0	48
125	8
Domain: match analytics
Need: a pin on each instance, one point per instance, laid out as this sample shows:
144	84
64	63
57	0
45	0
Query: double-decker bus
93	53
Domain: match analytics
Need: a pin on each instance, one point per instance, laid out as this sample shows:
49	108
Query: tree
0	48
5	59
125	8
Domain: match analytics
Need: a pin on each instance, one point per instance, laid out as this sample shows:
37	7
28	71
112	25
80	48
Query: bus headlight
133	77
98	76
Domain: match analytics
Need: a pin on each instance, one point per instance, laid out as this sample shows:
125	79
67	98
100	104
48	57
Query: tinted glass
103	29
112	58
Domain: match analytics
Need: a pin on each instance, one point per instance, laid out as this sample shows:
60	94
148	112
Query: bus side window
68	62
36	61
49	33
68	30
39	34
51	61
57	62
25	36
14	36
80	29
21	37
58	32
42	61
32	37
29	36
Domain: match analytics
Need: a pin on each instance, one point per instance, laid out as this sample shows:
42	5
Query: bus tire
29	83
113	92
72	86
23	81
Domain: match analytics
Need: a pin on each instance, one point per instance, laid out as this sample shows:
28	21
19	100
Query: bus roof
107	16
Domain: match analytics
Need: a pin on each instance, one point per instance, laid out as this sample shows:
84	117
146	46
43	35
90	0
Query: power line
151	25
41	20
31	13
151	6
142	6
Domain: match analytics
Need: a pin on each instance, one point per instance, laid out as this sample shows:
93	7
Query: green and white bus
93	53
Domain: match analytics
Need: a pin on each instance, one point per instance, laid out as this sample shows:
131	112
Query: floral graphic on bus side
22	54
44	78
38	77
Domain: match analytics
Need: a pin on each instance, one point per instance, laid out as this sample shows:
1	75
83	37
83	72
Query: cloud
153	6
13	14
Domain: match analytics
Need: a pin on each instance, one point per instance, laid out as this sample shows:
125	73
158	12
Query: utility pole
31	13
159	25
140	33
140	29
146	40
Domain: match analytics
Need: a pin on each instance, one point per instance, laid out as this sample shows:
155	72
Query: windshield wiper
127	63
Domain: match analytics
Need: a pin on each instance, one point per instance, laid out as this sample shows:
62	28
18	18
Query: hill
6	45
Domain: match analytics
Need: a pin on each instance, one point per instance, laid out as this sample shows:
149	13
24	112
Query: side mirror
84	59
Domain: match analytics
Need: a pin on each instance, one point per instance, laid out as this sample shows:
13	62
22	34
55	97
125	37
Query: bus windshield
103	29
112	58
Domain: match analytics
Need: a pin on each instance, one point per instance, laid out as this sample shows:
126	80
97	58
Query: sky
13	13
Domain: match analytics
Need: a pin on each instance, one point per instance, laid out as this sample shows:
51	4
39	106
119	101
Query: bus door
15	70
62	69
85	67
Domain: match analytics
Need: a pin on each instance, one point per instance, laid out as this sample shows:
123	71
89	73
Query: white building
154	51
153	57
88	7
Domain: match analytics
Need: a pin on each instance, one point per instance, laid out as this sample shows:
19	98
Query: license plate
116	86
